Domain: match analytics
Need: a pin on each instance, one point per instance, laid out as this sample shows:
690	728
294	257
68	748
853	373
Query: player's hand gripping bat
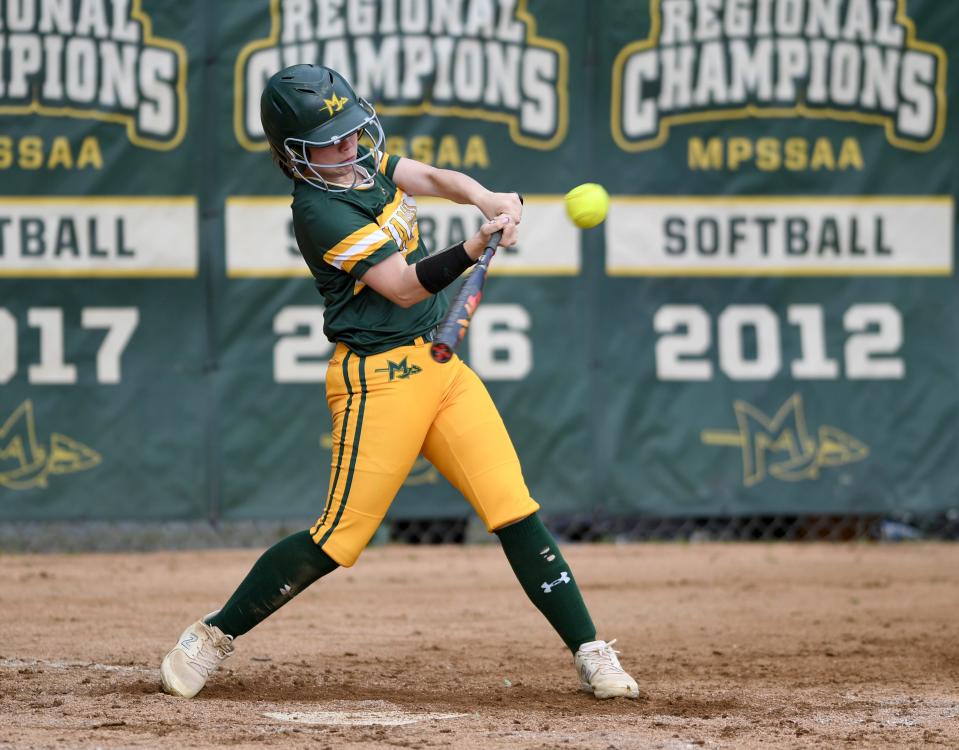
457	320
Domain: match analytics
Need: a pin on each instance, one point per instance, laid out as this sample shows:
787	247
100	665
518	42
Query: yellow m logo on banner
781	446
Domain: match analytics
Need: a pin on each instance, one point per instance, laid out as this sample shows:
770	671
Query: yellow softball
587	204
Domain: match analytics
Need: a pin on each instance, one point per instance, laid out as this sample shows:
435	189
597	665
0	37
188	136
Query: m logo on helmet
335	104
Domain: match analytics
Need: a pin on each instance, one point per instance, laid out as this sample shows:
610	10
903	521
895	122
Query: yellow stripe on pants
387	409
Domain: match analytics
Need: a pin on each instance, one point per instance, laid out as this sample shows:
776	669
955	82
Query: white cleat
195	657
600	672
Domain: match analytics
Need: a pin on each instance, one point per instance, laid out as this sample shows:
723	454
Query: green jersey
341	236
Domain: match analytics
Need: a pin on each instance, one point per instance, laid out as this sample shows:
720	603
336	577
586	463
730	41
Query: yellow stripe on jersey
384	162
399	219
414	240
397	222
390	208
361	244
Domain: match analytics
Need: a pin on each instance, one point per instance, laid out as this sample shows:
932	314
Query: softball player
354	216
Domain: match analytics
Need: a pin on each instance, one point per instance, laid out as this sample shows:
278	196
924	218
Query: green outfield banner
763	325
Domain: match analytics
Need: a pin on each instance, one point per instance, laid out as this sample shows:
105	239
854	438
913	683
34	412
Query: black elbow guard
441	269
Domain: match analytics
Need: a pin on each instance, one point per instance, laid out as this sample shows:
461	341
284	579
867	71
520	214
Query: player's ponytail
282	161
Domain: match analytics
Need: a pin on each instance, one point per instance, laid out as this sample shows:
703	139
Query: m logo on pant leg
401	371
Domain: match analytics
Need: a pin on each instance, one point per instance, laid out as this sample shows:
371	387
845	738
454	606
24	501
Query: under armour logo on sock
285	590
563	578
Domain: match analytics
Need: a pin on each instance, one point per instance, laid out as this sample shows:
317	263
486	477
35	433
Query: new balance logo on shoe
563	578
199	651
601	673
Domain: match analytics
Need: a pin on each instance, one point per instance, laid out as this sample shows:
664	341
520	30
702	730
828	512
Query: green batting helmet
306	106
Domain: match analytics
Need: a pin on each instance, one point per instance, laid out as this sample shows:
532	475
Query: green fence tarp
763	325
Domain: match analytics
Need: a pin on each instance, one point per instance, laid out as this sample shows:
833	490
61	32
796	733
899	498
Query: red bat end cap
441	352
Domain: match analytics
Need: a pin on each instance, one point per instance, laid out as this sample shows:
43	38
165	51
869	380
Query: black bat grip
454	325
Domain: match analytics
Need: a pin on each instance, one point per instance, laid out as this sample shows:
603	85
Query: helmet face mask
306	107
363	166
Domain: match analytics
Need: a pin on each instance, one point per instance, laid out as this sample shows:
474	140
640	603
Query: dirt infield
733	646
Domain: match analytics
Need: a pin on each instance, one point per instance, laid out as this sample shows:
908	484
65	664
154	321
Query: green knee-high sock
282	572
547	579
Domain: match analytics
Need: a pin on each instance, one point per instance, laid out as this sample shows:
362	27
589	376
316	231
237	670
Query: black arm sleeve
441	269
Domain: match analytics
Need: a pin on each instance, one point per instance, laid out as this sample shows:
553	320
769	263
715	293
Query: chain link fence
116	536
598	528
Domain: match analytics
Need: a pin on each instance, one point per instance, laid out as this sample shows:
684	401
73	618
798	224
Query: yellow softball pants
388	409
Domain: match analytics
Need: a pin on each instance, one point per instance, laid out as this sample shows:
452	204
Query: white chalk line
359	713
58	664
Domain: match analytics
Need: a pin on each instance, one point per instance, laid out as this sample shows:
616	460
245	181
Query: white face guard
364	167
